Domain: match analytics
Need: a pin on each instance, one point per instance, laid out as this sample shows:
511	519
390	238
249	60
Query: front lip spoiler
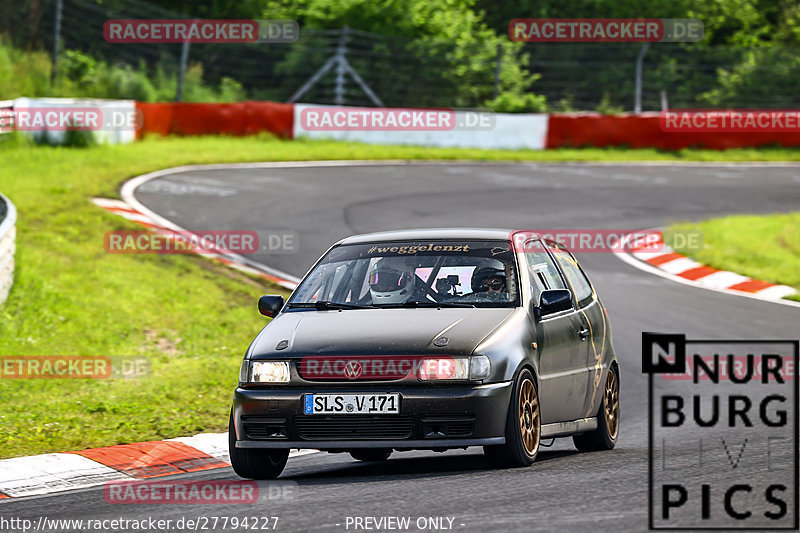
425	444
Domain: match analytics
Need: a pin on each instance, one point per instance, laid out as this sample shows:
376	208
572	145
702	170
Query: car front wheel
605	436
255	463
523	427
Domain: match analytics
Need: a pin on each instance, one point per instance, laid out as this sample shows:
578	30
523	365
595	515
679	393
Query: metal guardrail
8	234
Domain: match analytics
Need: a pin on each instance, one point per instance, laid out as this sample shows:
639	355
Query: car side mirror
270	304
553	301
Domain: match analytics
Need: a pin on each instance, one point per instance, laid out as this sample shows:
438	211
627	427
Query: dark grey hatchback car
429	339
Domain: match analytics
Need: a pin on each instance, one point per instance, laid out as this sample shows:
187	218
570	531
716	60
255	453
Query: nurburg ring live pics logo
722	433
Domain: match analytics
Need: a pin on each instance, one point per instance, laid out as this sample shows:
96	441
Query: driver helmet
391	280
485	279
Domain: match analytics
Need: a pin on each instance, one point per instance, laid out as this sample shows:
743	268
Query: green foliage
607	108
445	44
235	9
727	22
757	79
564	105
79	68
518	103
125	83
230	90
71	138
25	73
732	65
444	52
76	138
15	139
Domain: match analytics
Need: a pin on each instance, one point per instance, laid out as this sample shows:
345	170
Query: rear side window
577	280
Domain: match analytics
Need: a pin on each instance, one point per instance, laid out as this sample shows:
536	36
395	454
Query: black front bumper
430	417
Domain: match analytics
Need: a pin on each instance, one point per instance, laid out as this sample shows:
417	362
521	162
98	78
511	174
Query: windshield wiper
327	304
454	304
426	303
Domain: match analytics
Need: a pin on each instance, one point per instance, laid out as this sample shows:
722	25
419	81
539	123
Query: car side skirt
563	429
351	444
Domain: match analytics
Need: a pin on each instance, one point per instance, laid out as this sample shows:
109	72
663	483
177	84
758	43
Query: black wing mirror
553	301
270	304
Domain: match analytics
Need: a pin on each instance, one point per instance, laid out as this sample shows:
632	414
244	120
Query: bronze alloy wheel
608	421
612	405
529	417
523	426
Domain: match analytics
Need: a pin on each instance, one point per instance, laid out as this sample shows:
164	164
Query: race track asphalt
564	490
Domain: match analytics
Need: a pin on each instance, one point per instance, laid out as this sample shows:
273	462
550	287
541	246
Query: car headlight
269	372
441	368
455	368
479	367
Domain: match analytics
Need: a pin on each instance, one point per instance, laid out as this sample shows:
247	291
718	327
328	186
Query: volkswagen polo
429	339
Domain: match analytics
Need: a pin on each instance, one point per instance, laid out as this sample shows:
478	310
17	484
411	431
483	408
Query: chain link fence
370	69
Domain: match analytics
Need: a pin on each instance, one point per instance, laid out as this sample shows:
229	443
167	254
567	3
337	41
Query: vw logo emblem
353	370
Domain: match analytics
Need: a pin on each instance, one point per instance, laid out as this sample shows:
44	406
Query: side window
578	283
542	272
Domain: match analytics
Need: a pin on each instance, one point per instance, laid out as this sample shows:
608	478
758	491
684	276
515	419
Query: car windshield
412	274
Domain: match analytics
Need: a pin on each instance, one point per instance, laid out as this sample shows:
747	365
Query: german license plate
351	404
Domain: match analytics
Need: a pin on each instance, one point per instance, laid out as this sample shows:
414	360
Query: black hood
378	331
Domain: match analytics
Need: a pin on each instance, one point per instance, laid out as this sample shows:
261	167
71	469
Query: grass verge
765	247
192	318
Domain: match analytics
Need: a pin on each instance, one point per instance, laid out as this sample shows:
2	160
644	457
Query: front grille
347	370
353	427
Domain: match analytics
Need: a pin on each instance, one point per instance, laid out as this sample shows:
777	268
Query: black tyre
523	427
370	454
605	436
255	463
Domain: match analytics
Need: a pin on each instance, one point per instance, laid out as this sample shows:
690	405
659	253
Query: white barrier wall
8	233
116	128
505	131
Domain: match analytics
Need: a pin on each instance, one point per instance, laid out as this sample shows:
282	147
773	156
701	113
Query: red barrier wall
644	131
564	130
243	118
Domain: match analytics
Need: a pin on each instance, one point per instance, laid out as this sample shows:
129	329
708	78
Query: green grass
191	317
765	247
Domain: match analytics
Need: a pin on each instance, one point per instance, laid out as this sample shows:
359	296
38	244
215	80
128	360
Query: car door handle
584	333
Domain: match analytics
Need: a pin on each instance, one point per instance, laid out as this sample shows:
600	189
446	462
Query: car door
593	324
562	356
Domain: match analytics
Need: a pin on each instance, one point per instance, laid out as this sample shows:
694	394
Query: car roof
433	234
